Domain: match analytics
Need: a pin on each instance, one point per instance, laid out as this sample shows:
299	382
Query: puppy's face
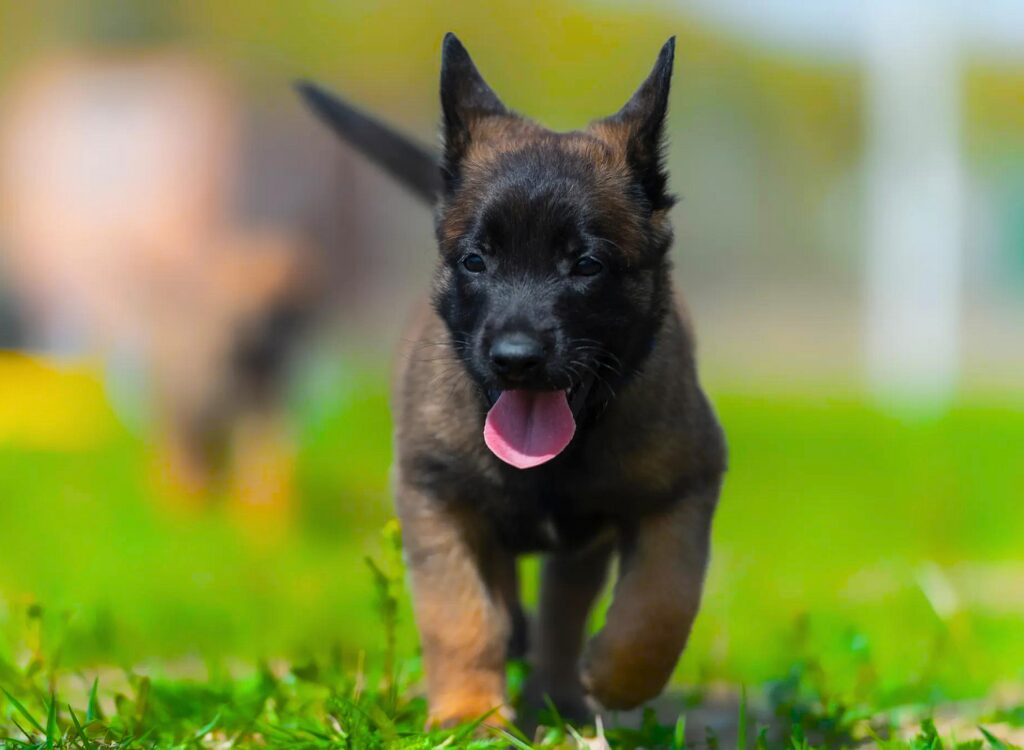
553	273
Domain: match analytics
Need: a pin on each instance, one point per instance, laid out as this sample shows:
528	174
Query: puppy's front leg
456	571
663	558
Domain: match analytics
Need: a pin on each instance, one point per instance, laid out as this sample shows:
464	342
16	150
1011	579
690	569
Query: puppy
548	402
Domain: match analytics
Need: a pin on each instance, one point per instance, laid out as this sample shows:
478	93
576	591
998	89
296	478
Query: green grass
330	702
864	572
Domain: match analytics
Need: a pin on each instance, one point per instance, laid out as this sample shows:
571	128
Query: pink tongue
528	428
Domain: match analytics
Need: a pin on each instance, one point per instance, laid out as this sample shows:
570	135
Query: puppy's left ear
641	125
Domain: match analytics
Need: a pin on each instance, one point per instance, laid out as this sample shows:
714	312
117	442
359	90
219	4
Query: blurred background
200	291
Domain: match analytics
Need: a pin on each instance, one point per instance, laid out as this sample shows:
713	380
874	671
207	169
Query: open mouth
527	428
575	393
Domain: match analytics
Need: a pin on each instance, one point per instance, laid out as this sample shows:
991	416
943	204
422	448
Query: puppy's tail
414	166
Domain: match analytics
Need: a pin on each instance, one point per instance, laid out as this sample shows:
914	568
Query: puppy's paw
453	710
568	700
621	675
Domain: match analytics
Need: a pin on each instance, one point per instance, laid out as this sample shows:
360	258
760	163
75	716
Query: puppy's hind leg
507	589
570	583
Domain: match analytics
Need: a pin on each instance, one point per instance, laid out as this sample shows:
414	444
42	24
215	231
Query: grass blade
516	732
78	728
994	741
205	730
559	721
679	735
468	729
51	722
23	711
513	740
92	711
17	743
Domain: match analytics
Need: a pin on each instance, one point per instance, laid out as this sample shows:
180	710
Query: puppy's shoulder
437	414
671	432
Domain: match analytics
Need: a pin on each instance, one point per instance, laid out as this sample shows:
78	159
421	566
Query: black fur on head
556	242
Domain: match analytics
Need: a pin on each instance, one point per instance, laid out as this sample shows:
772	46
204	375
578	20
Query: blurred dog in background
120	238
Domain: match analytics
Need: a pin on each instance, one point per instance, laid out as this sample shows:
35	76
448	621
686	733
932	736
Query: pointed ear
465	98
641	124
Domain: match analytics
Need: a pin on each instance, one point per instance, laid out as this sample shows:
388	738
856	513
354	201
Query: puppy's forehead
544	183
519	169
498	140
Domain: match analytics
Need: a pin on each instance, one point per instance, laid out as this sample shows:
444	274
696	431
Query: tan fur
463	621
655	601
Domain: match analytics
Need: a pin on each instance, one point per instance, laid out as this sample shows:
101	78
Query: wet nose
516	355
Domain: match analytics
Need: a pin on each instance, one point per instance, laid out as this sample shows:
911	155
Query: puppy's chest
546	512
535	526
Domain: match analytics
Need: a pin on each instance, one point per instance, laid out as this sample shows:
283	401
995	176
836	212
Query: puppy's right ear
465	99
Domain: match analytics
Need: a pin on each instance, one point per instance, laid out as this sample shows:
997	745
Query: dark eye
587	266
474	263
